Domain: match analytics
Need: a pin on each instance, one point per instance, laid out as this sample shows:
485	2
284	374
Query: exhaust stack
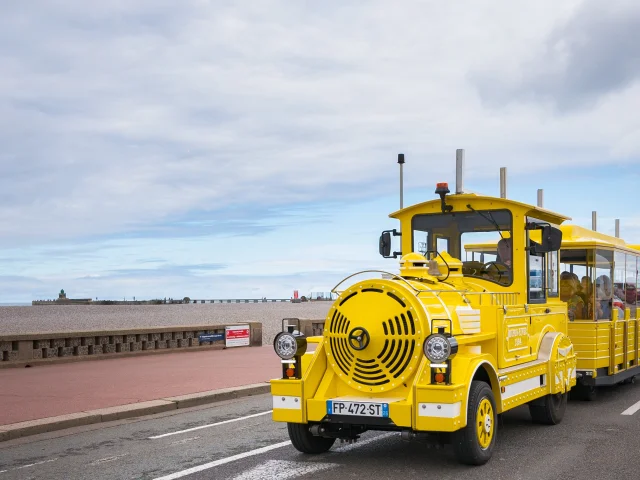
617	228
459	170
540	198
594	218
401	163
503	182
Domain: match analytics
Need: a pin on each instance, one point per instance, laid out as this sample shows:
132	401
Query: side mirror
551	239
385	244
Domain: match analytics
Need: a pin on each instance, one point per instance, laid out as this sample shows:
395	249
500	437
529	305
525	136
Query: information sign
237	336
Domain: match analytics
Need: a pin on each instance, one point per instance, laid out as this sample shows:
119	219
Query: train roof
576	236
573	236
458	201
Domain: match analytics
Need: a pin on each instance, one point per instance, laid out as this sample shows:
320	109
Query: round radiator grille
392	350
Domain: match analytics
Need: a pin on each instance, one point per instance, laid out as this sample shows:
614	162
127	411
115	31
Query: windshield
485	233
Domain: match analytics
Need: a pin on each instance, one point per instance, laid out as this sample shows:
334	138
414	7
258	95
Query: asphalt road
595	440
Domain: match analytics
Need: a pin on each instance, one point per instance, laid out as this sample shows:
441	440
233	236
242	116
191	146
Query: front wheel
305	442
550	409
474	444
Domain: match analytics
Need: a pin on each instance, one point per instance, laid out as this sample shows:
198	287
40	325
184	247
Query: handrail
418	291
333	290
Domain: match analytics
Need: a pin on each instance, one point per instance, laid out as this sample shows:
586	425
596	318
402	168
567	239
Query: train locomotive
439	349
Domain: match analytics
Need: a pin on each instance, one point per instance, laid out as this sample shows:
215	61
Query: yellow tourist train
598	280
439	349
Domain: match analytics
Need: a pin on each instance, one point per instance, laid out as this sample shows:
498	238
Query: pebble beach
61	318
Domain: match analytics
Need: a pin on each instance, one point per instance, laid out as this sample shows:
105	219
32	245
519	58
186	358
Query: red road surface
51	390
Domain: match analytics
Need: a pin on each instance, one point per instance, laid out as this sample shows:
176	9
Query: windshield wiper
491	219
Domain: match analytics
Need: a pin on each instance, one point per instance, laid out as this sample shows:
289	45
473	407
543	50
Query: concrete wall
31	349
311	327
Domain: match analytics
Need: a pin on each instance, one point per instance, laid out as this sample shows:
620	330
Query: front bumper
429	408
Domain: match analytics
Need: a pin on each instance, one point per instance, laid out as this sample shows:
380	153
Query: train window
536	278
576	267
633	289
603	291
619	266
552	274
461	228
536	266
442	244
630	293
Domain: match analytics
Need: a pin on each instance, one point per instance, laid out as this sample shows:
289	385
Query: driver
504	251
500	269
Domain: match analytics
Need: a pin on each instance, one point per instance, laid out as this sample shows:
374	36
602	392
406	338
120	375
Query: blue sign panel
210	337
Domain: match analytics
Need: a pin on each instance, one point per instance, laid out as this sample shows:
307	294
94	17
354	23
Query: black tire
582	392
550	409
305	442
473	444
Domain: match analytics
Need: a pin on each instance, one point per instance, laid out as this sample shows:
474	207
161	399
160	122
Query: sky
220	149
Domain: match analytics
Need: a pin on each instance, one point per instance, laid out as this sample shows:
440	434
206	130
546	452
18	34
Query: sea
16	319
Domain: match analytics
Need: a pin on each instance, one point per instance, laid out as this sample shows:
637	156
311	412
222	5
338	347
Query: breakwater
163	301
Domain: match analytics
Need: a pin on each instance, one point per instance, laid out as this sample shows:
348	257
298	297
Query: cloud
18	287
138	134
171	271
592	55
127	117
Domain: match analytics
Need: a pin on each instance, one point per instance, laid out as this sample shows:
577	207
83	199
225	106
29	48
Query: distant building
63	300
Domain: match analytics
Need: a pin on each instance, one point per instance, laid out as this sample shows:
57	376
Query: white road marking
632	409
258	451
283	469
211	425
2	471
37	463
108	459
222	461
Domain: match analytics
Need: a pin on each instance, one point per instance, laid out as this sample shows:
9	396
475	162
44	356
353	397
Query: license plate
360	409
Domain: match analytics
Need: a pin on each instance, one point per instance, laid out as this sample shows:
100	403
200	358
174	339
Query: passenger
586	292
569	293
603	297
585	283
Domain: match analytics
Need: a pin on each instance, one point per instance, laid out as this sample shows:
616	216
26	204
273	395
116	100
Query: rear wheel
305	442
584	392
550	409
474	444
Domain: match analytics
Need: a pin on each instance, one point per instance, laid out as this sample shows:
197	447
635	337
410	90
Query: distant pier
63	300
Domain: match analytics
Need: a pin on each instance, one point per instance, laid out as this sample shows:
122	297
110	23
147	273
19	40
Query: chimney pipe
401	163
459	170
503	182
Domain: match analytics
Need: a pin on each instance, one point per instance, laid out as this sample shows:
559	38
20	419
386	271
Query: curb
62	422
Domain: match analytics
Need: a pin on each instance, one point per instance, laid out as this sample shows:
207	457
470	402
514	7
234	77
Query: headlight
438	348
287	345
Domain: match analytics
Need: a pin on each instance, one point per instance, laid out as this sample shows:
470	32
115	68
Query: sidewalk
54	390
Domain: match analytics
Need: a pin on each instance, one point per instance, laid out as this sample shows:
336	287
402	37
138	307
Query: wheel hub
487	423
